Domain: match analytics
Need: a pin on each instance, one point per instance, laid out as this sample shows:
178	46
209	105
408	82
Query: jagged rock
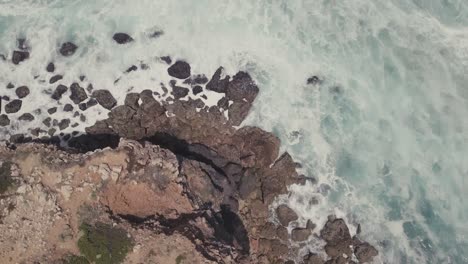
285	215
59	91
78	94
242	91
365	252
166	59
55	78
180	70
179	92
50	67
19	56
216	83
13	106
68	49
4	120
314	80
22	91
104	98
64	123
122	38
132	68
197	89
335	230
47	121
26	117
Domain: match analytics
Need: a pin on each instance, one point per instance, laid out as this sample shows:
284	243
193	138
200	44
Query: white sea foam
387	146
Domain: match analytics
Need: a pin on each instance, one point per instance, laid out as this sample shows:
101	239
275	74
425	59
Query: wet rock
52	110
50	67
313	259
131	100
22	44
122	38
82	77
197	79
22	91
59	91
300	234
180	70
51	131
10	86
13	106
19	56
68	108
241	88
64	123
365	252
197	89
91	102
217	84
223	103
105	98
78	94
285	215
68	49
82	106
82	118
4	120
166	59
179	92
55	78
335	231
47	121
26	117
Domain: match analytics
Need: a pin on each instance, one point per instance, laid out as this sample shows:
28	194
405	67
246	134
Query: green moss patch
104	244
5	177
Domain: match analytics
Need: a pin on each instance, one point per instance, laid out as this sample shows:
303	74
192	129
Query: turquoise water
385	134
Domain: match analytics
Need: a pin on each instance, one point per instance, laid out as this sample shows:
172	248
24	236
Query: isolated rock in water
78	94
122	38
216	83
19	56
4	120
55	78
156	34
68	48
64	123
166	59
26	117
59	91
285	215
10	86
179	92
22	44
52	110
314	80
68	108
22	91
197	89
242	87
180	70
50	67
13	106
104	98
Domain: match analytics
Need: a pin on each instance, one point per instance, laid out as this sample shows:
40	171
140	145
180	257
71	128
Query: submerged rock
4	120
59	91
22	91
19	56
68	49
180	70
122	38
26	117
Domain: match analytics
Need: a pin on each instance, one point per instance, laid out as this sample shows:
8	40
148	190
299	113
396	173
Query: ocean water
385	134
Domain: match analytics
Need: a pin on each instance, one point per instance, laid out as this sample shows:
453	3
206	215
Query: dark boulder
179	92
131	68
4	120
242	87
285	215
26	117
180	70
64	123
55	78
314	80
59	91
47	121
78	94
19	56
217	84
13	106
52	110
50	67
22	44
22	91
122	38
105	98
335	231
68	48
197	89
365	252
68	108
10	86
300	234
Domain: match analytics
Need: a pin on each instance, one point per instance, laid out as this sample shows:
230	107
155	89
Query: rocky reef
159	181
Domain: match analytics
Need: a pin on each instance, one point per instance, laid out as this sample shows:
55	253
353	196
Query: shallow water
384	134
